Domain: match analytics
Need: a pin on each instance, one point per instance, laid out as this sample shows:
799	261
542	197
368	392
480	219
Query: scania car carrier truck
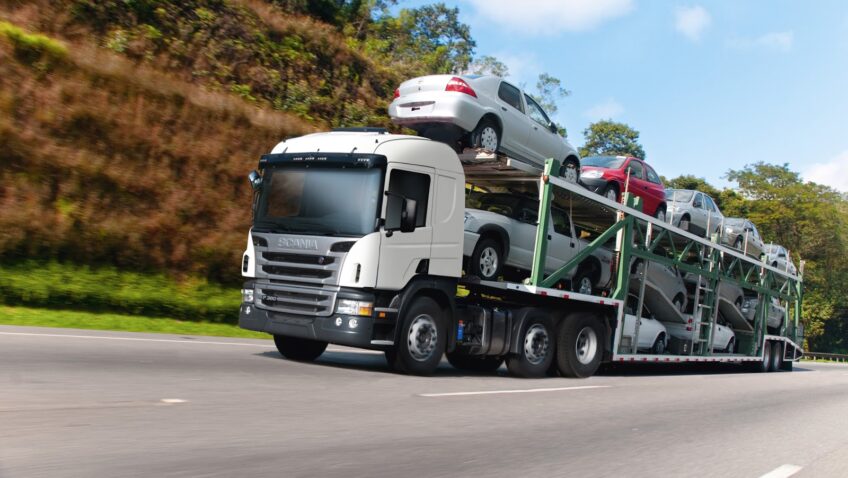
357	240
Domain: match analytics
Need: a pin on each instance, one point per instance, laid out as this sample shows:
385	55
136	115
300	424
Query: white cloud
692	21
550	17
781	41
522	68
833	173
607	109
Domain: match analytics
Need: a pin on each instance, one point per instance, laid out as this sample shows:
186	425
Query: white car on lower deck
482	112
501	233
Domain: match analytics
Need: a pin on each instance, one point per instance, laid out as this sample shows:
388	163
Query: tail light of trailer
397	93
459	85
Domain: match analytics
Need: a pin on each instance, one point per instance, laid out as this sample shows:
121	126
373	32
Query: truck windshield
320	201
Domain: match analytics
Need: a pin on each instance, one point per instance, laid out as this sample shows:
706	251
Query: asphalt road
102	404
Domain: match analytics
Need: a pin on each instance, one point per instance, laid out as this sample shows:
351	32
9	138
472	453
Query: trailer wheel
579	345
776	356
422	339
474	363
763	365
536	350
302	350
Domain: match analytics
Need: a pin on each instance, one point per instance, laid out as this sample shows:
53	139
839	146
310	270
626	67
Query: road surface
79	403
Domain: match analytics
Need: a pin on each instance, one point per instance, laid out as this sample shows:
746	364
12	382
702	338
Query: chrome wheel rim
661	216
423	337
611	195
570	173
684	225
585	285
488	261
489	138
536	344
586	345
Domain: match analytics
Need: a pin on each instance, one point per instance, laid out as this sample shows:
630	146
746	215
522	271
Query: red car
607	175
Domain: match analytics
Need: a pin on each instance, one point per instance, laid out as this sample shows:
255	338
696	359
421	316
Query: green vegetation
127	323
64	286
31	47
608	137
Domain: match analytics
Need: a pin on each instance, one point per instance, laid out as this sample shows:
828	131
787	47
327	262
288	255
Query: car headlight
354	307
247	295
592	174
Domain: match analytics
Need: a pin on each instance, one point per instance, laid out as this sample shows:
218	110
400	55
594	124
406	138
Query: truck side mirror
408	215
255	180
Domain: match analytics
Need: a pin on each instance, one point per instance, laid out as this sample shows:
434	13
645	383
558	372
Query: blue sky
711	86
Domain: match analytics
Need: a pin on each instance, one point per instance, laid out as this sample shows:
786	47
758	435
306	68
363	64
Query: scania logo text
297	243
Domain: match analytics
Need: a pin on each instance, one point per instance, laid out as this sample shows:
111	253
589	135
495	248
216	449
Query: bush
66	286
32	47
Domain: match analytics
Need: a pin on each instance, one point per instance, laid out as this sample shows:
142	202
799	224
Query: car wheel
583	281
302	350
684	223
660	214
487	259
678	302
659	345
730	346
570	171
610	192
486	135
737	244
535	351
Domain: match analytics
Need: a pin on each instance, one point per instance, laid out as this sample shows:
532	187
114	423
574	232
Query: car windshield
319	201
609	162
678	195
505	204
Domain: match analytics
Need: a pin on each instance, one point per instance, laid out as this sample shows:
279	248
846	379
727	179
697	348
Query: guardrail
823	356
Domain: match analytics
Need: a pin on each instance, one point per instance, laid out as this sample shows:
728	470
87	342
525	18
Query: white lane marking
782	471
178	341
495	392
173	400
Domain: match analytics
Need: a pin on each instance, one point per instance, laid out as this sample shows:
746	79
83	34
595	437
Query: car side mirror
553	128
255	180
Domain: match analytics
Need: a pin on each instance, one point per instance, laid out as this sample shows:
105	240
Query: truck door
402	253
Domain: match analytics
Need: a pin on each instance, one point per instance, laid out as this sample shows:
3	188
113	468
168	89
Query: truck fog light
247	295
339	322
353	323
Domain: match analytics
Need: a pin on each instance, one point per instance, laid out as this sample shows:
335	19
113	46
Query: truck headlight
354	307
247	295
592	174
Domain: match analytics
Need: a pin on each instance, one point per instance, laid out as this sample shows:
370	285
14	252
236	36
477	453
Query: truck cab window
410	185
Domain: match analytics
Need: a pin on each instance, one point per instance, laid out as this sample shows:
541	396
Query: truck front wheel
422	339
302	350
535	350
579	345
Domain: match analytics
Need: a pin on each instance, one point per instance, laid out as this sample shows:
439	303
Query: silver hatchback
693	211
484	112
742	234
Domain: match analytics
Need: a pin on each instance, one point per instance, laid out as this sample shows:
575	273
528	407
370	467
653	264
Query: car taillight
397	93
458	84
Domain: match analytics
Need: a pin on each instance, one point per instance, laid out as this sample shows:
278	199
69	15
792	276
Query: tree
488	65
549	90
613	138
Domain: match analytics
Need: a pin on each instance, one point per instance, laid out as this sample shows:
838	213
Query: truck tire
764	364
422	339
535	350
487	259
302	350
776	356
580	340
474	363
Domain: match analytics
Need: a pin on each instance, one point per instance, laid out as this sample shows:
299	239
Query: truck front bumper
341	329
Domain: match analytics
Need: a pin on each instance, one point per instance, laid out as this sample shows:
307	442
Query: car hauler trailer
357	240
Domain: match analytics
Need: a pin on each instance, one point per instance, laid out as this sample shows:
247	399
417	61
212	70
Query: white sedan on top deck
482	112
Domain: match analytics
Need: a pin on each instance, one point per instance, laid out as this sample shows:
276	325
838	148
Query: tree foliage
609	137
488	65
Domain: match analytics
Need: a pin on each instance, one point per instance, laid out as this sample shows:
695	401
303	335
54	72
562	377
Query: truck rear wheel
535	350
422	339
302	350
474	363
579	345
776	356
764	364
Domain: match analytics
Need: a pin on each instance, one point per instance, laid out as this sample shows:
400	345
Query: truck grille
318	266
296	300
